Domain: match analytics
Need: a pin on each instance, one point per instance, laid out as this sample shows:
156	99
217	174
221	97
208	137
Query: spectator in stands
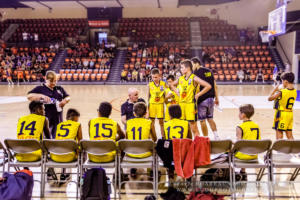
134	75
124	75
224	58
259	75
248	75
85	63
129	76
241	75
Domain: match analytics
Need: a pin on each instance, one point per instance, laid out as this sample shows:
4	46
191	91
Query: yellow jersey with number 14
30	127
287	100
157	92
187	89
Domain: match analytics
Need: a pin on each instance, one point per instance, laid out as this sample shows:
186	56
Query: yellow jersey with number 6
287	100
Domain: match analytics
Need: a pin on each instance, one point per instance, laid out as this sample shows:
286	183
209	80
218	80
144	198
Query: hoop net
265	35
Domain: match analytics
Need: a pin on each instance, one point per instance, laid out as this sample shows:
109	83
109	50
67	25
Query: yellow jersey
174	98
30	127
187	89
176	128
102	128
157	92
287	99
64	131
138	129
250	131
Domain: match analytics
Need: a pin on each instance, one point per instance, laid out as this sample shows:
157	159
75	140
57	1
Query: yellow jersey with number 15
103	128
157	92
287	100
187	89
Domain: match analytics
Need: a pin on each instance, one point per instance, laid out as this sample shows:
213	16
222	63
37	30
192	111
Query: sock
216	134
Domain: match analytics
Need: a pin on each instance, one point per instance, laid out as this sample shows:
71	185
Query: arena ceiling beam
121	5
43	4
81	4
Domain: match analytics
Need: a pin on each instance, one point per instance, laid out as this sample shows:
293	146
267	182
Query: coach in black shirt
127	107
54	97
206	102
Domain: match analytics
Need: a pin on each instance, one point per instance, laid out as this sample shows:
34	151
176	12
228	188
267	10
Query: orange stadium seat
75	77
69	77
81	76
99	76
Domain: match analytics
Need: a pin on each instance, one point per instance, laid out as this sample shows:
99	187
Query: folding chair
220	147
251	147
3	157
138	147
15	146
99	148
61	147
285	159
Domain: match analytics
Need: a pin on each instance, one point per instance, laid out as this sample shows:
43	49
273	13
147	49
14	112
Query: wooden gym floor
86	99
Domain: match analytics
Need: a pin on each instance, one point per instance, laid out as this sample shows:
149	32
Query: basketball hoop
265	35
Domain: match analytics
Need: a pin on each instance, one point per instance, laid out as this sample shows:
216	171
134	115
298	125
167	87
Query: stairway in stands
276	58
9	32
116	69
195	33
58	61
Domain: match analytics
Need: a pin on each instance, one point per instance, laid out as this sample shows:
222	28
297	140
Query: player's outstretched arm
174	87
275	94
121	134
216	94
239	133
203	83
79	133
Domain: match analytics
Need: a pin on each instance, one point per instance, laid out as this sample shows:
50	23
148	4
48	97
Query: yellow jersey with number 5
287	100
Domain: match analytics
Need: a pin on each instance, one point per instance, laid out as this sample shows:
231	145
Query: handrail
288	60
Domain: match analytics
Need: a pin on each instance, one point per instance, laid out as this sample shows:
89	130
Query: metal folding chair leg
260	174
295	174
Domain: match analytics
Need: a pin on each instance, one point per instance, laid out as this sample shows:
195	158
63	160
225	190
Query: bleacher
85	63
155	29
47	29
245	57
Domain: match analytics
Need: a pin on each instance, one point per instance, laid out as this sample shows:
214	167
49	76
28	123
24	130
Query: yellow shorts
29	157
188	111
103	159
156	111
63	158
143	155
283	121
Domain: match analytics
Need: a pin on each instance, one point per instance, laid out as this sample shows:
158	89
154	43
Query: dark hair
288	76
140	109
71	113
175	111
34	106
105	109
247	109
155	71
187	64
196	60
172	77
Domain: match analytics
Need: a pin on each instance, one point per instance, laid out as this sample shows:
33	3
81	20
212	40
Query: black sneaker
64	177
133	172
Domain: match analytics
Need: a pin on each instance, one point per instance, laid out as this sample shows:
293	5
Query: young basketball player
176	127
171	97
187	85
140	128
248	130
69	129
156	99
286	98
103	128
33	126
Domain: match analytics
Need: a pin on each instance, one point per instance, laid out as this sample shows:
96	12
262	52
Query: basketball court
86	99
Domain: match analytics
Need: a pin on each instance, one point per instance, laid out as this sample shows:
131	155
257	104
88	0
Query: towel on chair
183	155
202	151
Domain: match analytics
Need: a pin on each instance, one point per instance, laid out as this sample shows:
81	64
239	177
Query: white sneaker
217	137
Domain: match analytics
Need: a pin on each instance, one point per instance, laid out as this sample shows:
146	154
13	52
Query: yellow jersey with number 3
287	99
187	89
103	128
250	131
138	129
157	92
66	130
30	127
176	128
